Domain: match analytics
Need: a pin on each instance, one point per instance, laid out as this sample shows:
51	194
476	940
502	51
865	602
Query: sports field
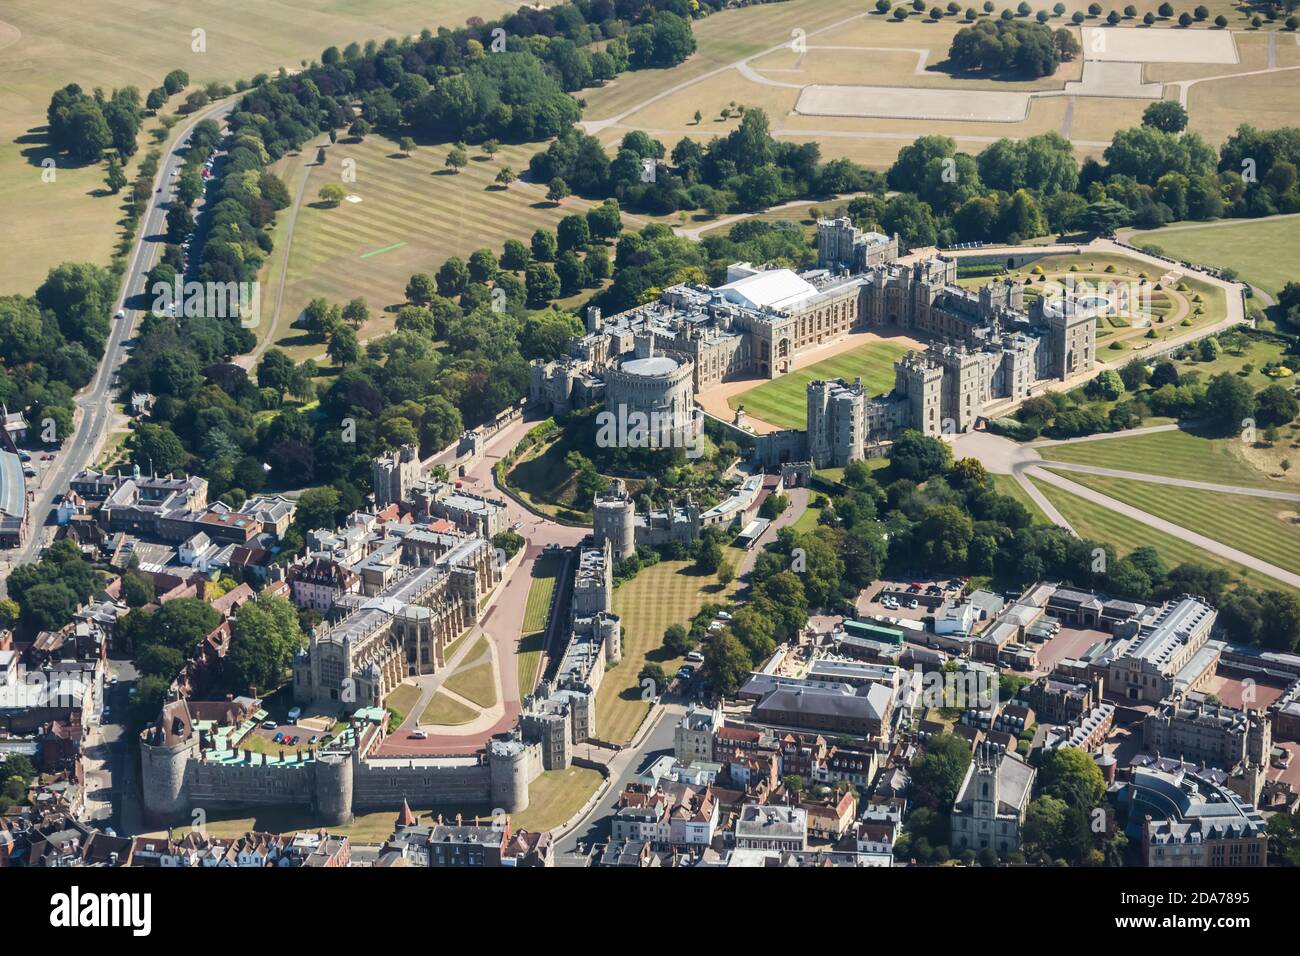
783	401
670	592
1100	524
545	576
1176	453
46	44
1250	247
1264	527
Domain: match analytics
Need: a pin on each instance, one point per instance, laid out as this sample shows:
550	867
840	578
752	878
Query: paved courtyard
914	103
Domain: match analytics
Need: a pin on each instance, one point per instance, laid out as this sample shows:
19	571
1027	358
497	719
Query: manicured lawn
1007	485
447	711
476	682
1100	524
670	592
555	796
1263	527
533	639
1178	454
1249	247
784	401
808	520
400	702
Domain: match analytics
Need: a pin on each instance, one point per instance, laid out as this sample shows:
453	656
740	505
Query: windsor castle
985	347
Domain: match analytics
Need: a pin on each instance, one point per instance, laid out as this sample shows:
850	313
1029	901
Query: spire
406	818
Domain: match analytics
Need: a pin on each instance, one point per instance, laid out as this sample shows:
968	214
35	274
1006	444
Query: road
94	413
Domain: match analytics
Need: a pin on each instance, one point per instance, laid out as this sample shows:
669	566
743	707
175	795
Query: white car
913	604
120	314
418	735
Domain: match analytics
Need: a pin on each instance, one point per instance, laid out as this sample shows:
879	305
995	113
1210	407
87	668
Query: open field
413	215
1178	454
1263	527
136	42
783	401
670	592
446	711
555	796
1100	524
1248	246
545	576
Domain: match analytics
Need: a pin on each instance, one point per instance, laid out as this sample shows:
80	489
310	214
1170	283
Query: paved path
1173	482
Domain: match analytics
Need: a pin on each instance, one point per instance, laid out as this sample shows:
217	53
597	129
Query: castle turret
508	763
334	775
614	520
166	749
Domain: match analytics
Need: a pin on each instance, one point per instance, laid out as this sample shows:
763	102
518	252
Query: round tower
611	633
334	788
162	777
508	764
614	520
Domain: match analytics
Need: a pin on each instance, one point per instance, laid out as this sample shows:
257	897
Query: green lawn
400	702
1263	527
784	402
554	797
670	592
1249	247
447	711
475	679
1178	454
1101	524
533	638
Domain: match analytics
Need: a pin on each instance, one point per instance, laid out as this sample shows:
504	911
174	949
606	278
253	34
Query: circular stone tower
508	764
334	788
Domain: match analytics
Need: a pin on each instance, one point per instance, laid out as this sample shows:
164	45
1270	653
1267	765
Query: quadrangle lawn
1177	454
670	592
1263	527
446	711
783	401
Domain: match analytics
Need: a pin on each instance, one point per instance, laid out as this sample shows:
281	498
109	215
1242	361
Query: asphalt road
94	404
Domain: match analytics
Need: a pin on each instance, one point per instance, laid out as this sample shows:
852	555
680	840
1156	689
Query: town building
992	801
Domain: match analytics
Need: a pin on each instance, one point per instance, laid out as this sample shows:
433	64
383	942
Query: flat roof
13	487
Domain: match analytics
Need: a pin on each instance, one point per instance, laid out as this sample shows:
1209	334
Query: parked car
314	738
120	314
695	656
685	672
913	604
268	725
418	735
278	738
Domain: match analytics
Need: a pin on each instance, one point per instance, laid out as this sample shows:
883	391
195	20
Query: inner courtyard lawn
446	711
546	573
783	401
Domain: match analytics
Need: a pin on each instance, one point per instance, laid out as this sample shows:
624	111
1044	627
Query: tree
331	194
937	776
357	313
726	662
505	176
156	450
918	457
457	159
115	178
1168	116
557	189
1229	401
137	589
1071	775
542	284
344	348
180	624
1276	405
264	637
677	641
407	145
